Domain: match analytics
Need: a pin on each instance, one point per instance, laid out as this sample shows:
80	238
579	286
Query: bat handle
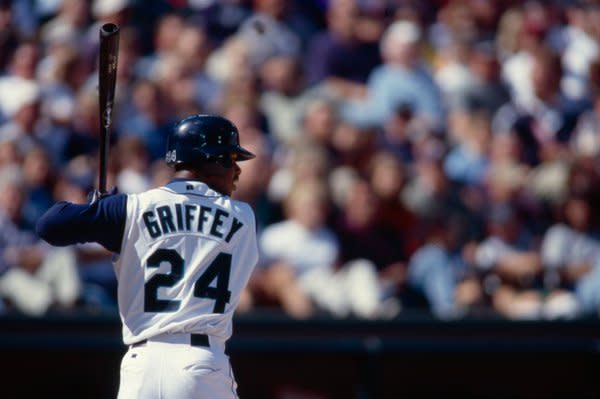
103	161
108	29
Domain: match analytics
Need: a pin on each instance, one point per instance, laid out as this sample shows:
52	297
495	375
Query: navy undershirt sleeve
102	222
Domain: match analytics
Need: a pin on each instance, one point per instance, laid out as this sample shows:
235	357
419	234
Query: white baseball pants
169	367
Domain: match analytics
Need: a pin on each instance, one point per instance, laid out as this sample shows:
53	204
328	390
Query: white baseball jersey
187	253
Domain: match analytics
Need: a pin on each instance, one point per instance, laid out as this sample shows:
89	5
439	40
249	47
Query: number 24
219	269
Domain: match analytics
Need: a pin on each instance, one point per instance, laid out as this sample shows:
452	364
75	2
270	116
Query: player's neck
187	175
210	181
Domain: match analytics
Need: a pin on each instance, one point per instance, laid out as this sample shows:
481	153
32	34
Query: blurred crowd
436	156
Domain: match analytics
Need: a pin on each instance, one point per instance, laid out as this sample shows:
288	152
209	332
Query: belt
194	339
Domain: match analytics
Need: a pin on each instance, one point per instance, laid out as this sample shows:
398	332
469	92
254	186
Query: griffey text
181	217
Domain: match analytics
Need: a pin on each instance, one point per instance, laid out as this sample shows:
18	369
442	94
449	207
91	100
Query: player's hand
96	195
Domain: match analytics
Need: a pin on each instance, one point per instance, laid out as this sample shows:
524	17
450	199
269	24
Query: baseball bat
107	80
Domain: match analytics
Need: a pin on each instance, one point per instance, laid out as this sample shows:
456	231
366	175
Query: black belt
195	340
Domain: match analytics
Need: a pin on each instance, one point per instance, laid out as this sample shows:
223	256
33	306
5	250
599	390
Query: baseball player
183	254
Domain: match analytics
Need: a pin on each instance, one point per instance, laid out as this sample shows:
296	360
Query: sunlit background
430	160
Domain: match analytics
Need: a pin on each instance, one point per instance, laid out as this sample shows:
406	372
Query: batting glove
96	195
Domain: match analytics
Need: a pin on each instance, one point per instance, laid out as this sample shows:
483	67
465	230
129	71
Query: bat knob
108	29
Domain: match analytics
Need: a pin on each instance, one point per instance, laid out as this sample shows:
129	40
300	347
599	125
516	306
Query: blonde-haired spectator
299	258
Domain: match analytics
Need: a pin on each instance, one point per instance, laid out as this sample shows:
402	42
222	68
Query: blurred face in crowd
577	213
310	162
387	176
307	204
396	128
145	97
504	224
75	11
319	121
132	154
361	205
397	51
36	167
5	17
245	115
274	8
545	76
192	46
69	190
281	74
342	18
505	148
9	153
11	198
24	61
28	115
86	113
168	32
484	65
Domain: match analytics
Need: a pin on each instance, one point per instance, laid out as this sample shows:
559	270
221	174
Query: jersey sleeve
103	222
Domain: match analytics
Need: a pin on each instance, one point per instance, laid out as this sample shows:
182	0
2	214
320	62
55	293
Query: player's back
186	255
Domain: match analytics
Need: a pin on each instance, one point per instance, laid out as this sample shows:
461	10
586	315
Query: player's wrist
96	195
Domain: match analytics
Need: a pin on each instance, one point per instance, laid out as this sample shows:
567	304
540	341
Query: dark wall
64	357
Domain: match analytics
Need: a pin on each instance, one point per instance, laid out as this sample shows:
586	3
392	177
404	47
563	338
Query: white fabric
300	248
312	255
516	72
56	281
200	241
562	246
168	367
490	251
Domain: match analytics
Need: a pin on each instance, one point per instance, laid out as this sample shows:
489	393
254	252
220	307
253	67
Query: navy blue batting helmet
201	138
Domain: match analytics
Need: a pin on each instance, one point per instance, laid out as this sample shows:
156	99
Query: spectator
362	236
9	39
468	161
353	146
283	98
133	162
570	251
70	24
303	162
38	182
318	122
372	122
526	32
300	262
439	272
148	118
511	264
387	179
193	47
580	50
35	277
485	90
585	141
401	80
340	56
267	34
221	19
167	32
545	121
23	108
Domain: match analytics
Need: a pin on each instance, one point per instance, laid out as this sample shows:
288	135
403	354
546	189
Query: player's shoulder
241	208
150	195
